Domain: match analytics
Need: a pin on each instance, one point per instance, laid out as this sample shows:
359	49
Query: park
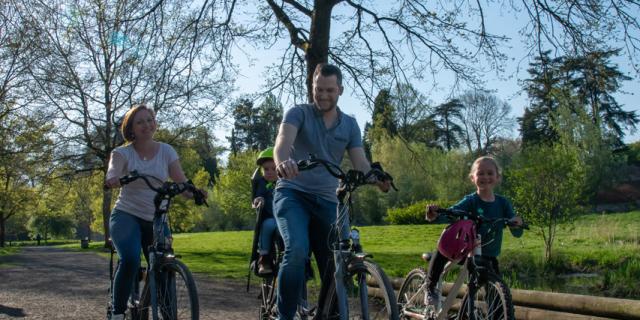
548	90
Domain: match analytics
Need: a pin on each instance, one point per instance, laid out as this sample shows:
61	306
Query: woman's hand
431	212
112	183
257	202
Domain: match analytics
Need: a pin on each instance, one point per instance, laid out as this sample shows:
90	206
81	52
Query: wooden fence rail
539	305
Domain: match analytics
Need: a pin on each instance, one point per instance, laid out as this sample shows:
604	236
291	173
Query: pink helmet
457	240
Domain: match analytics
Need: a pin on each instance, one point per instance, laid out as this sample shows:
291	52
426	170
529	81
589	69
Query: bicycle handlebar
170	189
456	213
355	177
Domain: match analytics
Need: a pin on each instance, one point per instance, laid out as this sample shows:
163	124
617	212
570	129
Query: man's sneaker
264	265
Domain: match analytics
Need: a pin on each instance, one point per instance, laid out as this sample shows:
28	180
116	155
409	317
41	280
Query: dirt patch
50	283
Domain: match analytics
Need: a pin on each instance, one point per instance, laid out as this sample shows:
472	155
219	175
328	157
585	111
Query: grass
597	255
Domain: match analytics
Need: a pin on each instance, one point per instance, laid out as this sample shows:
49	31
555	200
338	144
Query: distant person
131	224
38	238
485	175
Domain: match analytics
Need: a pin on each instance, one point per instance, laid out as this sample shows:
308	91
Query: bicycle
165	289
487	296
346	294
268	285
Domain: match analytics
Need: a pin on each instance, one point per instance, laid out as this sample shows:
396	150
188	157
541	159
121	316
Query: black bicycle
165	289
358	288
486	296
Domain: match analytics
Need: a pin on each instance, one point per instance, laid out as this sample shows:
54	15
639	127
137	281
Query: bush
414	214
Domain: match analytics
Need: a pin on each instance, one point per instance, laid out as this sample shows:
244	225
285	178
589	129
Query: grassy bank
597	255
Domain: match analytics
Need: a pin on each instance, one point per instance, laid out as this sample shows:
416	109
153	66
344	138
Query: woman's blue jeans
305	222
129	235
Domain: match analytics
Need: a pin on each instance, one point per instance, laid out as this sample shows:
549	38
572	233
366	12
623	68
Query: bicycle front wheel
176	294
369	294
411	294
492	301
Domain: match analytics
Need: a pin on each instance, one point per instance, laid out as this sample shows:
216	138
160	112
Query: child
263	198
485	175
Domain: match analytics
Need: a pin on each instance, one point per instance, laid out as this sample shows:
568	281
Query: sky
506	85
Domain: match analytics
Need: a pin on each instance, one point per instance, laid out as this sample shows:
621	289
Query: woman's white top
136	198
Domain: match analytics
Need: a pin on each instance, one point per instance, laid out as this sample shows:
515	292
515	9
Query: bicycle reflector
457	240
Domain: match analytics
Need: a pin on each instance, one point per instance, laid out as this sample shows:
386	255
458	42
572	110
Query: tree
410	108
380	45
591	79
595	80
545	184
232	193
90	61
448	131
382	121
255	128
484	119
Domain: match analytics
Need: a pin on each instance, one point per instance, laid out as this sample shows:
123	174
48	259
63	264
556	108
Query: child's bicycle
486	297
165	290
268	285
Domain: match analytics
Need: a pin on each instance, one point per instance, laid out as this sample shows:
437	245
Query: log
563	303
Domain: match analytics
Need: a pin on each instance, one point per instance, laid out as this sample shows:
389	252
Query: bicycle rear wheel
492	301
369	294
411	294
177	296
268	299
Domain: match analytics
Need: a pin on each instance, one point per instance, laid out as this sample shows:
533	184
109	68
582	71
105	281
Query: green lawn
582	253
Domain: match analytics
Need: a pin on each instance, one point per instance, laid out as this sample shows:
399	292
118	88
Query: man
305	202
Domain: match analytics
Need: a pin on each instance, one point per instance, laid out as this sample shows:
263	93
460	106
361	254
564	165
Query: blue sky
506	85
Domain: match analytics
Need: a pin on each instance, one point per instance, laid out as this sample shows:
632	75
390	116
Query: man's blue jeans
305	222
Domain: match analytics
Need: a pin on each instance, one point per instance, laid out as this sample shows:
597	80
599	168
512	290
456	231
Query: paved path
50	283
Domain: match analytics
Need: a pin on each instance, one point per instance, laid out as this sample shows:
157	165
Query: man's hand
257	202
287	169
431	212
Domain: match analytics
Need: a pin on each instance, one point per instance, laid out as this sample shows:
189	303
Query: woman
131	219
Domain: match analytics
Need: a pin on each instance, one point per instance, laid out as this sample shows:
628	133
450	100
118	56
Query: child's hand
516	222
431	213
257	202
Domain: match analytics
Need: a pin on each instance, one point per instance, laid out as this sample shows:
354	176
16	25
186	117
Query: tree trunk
2	230
318	50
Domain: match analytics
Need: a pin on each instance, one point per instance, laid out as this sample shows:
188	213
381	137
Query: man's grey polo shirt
327	144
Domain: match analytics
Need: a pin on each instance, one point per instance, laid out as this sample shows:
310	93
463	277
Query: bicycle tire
268	299
411	295
383	307
492	301
174	282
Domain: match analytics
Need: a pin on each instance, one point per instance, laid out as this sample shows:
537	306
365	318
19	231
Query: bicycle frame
161	248
347	250
462	277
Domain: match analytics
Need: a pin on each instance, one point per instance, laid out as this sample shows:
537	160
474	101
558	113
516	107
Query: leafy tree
232	193
90	61
410	110
595	80
255	128
546	76
448	131
591	79
545	184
